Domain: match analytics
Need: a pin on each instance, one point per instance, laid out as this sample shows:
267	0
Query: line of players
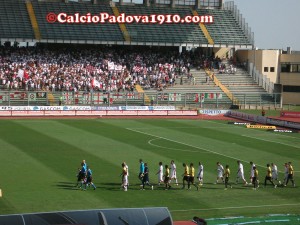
163	177
84	177
223	175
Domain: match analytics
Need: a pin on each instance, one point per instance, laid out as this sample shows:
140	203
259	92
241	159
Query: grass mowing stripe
236	207
204	149
258	131
175	149
110	141
30	185
227	141
217	138
277	142
44	148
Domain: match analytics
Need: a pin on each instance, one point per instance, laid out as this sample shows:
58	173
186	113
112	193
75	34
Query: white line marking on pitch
277	142
210	121
176	149
151	128
217	153
235	207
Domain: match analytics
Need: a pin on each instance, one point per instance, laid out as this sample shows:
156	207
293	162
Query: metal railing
262	80
178	99
241	21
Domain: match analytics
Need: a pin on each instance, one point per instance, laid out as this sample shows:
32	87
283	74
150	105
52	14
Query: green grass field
39	161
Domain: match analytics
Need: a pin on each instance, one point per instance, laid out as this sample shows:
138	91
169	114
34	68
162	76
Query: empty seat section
15	22
75	31
225	29
166	32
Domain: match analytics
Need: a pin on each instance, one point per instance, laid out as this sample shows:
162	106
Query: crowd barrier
290	114
202	100
25	111
263	120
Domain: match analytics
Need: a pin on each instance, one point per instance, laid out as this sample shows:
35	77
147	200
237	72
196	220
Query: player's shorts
160	177
274	176
173	175
220	174
89	179
200	177
141	175
125	180
80	176
145	178
254	180
241	175
191	180
268	178
166	180
186	178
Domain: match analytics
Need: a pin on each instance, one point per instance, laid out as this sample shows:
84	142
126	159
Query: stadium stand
107	32
244	88
28	21
225	29
169	33
16	24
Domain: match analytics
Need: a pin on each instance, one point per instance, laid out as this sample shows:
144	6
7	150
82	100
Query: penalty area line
174	149
277	142
196	147
235	207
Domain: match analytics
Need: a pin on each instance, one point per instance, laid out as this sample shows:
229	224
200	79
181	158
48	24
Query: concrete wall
290	58
290	79
273	58
270	60
262	59
291	98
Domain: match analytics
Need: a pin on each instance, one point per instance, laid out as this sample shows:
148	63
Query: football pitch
40	158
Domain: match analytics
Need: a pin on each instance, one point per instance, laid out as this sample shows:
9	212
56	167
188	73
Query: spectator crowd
84	68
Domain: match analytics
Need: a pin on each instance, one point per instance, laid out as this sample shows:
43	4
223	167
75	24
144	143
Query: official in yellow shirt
255	178
186	175
269	176
290	175
167	177
227	175
192	177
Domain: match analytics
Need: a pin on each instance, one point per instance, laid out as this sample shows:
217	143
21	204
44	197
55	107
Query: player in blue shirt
145	177
89	179
83	164
142	169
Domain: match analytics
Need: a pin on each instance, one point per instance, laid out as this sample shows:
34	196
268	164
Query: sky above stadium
275	23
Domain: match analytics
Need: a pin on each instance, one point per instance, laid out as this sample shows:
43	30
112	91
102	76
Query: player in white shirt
173	172
274	172
124	177
240	173
127	173
160	173
200	174
252	171
220	172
